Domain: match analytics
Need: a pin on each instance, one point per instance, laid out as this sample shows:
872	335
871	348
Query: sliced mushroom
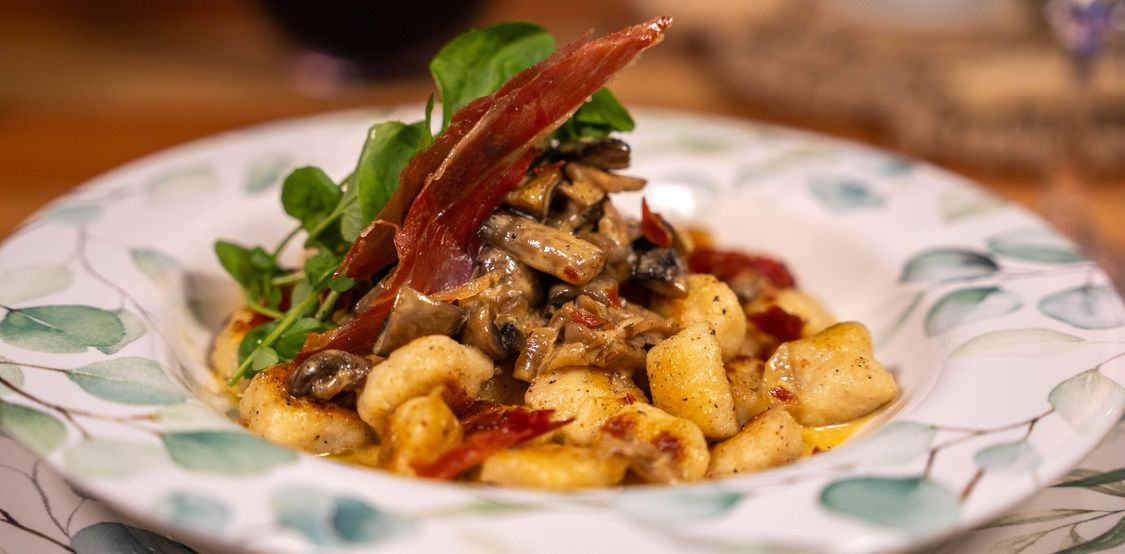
583	193
573	217
540	343
511	274
480	331
610	182
416	315
326	374
544	248
606	153
662	271
561	293
533	196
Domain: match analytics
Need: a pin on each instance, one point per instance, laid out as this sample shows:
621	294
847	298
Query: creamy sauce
820	439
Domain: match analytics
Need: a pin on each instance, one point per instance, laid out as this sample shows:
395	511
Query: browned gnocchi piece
687	380
770	439
660	447
420	430
267	409
553	467
418	368
829	378
709	300
588	395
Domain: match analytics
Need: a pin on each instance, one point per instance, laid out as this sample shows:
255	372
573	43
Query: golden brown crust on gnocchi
770	439
553	467
418	368
268	410
687	379
831	377
660	447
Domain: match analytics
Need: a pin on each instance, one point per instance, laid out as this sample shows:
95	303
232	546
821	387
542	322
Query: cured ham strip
491	430
727	265
483	155
375	248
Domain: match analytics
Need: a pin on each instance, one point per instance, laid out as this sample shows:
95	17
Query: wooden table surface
86	86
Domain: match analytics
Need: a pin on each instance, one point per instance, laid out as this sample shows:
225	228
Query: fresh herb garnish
388	148
332	214
479	61
597	118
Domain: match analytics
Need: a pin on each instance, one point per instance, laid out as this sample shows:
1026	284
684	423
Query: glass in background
1082	27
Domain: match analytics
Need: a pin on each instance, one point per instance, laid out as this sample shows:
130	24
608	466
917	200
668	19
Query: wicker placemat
989	93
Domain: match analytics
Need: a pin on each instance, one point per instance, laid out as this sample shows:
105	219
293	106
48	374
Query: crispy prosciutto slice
727	265
448	189
489	428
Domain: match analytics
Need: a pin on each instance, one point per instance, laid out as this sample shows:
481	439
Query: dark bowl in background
381	38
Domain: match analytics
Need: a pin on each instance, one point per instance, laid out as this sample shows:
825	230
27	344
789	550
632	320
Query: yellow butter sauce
820	439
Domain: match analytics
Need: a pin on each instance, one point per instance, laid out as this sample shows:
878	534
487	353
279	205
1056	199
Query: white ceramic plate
1008	346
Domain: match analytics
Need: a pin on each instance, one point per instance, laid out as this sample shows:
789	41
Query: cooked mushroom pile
588	349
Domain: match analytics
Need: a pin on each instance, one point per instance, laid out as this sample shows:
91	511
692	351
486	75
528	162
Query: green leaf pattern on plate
1079	400
673	506
31	282
1085	307
942	264
134	328
895	443
266	172
966	203
40	431
1035	245
969	305
911	505
112	458
225	452
73	214
111	537
172	188
193	511
1033	342
61	329
10	373
156	265
334	520
845	195
129	380
1010	456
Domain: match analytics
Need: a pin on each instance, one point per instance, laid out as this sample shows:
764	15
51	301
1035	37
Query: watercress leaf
252	268
263	358
301	291
253	339
261	262
427	126
599	116
286	346
388	148
351	218
309	195
479	61
236	260
319	268
341	283
293	338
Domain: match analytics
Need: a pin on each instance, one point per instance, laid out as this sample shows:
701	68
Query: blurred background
1024	96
